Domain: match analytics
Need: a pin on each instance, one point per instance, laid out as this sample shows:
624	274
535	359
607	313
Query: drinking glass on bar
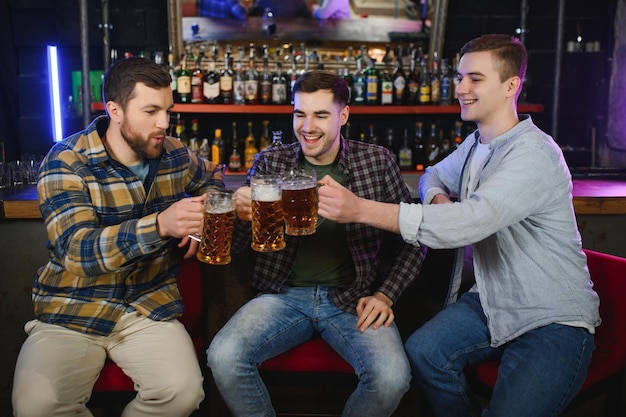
268	234
300	202
217	229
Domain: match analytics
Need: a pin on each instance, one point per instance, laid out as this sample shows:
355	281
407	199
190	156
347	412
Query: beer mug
268	234
217	228
300	202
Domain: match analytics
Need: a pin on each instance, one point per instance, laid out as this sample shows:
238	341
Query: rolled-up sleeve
409	222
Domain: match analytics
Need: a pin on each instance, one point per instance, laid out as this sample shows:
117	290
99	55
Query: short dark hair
510	53
316	80
120	79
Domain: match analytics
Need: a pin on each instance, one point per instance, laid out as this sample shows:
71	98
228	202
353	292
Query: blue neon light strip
55	94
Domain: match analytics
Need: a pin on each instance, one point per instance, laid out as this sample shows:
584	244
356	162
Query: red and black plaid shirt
382	261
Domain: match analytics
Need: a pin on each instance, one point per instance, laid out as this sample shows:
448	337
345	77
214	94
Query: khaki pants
57	368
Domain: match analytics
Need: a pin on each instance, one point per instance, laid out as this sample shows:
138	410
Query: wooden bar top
590	196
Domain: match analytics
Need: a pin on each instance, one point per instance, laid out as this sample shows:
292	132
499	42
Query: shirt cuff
409	221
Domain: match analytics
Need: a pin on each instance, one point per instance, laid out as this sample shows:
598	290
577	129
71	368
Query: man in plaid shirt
335	282
114	199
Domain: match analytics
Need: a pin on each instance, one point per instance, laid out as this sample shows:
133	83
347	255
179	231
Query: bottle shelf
288	109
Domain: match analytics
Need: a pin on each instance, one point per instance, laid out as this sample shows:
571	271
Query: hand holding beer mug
300	202
268	233
217	229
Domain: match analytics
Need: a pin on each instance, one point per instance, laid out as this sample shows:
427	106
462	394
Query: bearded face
148	146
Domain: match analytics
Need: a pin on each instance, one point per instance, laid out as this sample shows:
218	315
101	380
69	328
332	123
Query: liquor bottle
424	96
288	54
399	83
173	74
265	141
413	82
277	138
349	59
204	151
292	76
227	76
372	95
419	148
433	147
217	148
390	146
234	161
184	82
212	81
197	80
446	83
346	131
435	81
194	132
194	146
347	77
279	86
372	138
180	132
405	156
358	85
386	88
250	149
239	90
458	138
251	82
455	79
265	82
387	58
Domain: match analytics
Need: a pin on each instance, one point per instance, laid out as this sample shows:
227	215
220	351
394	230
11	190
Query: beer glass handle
319	221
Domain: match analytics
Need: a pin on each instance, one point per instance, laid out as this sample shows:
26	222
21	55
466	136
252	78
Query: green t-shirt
323	257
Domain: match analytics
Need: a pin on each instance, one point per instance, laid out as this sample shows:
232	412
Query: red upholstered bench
312	364
112	379
314	355
606	371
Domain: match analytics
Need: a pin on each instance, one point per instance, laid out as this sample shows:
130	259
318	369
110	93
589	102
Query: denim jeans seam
567	392
456	375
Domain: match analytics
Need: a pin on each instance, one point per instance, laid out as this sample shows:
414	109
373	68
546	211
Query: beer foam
220	209
266	193
294	185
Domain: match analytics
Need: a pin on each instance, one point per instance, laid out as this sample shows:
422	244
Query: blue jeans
540	371
274	323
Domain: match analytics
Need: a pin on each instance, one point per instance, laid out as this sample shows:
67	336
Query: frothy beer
267	218
217	229
300	208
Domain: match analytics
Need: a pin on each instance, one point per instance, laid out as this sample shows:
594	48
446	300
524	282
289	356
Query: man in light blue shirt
507	192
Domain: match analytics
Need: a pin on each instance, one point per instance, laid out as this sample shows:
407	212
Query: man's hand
336	202
192	249
182	218
375	310
440	199
243	203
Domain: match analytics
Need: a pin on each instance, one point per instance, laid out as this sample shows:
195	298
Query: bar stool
311	364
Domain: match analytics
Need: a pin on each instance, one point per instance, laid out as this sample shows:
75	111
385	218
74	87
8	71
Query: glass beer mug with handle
268	233
217	229
300	202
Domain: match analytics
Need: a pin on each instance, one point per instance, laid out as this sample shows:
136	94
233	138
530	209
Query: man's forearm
380	215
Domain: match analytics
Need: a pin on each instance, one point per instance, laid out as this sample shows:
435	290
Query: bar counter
591	196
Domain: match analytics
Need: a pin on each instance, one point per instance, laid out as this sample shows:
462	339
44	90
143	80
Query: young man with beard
116	202
532	304
335	282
